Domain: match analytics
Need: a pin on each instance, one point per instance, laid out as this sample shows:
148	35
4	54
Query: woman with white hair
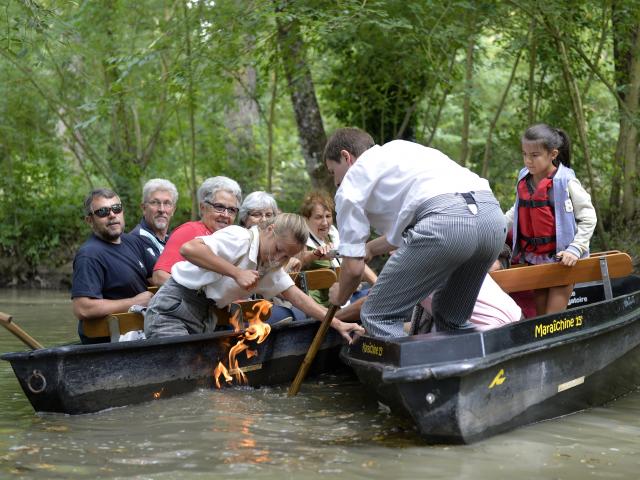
257	206
220	199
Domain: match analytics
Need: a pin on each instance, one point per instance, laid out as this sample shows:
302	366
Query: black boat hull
463	388
76	379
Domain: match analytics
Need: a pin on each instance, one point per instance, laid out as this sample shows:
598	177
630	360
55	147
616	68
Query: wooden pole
28	340
313	350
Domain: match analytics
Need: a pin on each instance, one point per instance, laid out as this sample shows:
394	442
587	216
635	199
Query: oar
28	340
313	350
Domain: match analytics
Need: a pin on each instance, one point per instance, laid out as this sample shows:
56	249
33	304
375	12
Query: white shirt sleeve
585	215
354	228
230	243
509	217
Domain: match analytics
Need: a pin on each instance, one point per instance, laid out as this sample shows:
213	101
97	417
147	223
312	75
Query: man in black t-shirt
111	269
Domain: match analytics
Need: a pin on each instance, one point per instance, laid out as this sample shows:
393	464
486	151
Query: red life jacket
536	217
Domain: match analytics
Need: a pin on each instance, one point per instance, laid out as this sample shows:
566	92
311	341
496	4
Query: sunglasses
103	212
220	208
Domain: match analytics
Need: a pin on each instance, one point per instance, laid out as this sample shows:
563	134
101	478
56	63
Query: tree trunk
612	218
270	127
445	93
121	152
465	150
626	42
578	112
494	121
191	105
303	97
241	118
533	47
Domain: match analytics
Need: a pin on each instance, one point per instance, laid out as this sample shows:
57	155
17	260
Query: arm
351	313
369	275
378	246
307	257
585	216
86	308
159	277
293	265
196	252
305	303
350	276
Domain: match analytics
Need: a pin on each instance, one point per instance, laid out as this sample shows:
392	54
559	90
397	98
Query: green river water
331	430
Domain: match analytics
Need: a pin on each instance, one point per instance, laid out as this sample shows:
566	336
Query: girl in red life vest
552	219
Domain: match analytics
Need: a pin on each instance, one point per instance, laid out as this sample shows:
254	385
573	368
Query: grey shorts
176	310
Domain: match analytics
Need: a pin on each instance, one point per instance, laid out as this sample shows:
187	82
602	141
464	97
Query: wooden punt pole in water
27	339
313	349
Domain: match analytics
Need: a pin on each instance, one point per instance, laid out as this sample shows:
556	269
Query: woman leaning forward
233	263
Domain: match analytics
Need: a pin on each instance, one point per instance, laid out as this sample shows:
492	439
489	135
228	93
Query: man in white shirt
442	219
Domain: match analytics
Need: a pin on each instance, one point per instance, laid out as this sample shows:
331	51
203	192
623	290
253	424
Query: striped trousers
448	251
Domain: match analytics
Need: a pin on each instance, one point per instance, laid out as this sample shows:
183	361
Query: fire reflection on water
244	448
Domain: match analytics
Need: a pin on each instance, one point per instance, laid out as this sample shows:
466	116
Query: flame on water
256	331
219	371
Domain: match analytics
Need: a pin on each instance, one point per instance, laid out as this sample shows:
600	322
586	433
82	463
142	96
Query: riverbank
42	277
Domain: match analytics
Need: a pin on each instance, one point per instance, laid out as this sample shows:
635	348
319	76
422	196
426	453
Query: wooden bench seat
531	277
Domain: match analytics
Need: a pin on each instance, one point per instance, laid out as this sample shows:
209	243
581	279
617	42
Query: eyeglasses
158	203
259	214
103	212
220	208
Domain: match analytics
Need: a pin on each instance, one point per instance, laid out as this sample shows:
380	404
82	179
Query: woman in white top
232	263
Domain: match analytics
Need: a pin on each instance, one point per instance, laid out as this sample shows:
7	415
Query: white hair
256	201
213	185
156	184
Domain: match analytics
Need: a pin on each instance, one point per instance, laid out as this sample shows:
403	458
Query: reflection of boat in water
464	387
86	378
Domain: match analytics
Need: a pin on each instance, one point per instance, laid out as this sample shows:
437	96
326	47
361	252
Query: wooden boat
77	379
460	388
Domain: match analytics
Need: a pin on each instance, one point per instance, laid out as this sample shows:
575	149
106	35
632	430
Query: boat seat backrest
113	325
319	279
547	275
118	324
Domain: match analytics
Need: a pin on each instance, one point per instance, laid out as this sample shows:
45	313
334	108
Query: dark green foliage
112	94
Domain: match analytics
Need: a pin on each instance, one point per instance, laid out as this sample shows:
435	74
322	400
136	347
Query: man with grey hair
111	269
159	199
220	199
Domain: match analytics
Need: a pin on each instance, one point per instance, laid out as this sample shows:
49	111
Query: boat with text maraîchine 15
461	388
